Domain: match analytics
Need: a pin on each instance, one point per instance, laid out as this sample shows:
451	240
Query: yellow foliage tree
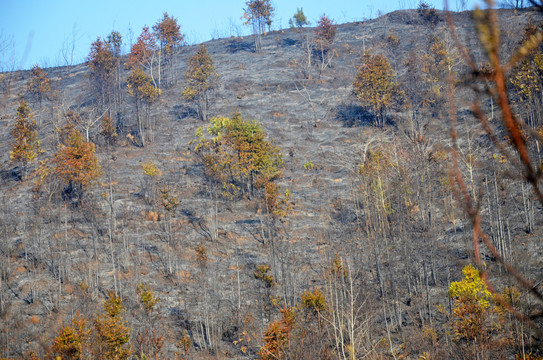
141	88
472	302
25	132
527	79
201	79
375	84
71	340
237	155
112	335
38	84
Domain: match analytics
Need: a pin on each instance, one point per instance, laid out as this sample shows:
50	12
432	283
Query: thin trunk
159	67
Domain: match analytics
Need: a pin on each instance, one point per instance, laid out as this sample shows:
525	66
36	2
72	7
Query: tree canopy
25	132
200	78
325	32
101	59
142	51
237	155
75	162
38	84
168	33
258	14
298	19
375	84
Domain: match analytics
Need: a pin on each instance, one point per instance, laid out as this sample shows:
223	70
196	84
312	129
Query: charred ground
56	257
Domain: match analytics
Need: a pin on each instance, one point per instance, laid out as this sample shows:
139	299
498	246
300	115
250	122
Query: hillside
374	224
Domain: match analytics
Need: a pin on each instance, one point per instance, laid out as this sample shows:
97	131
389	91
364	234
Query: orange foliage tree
143	51
277	336
258	14
168	33
102	64
325	32
75	162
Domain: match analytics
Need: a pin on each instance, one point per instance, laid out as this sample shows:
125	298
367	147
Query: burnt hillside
373	223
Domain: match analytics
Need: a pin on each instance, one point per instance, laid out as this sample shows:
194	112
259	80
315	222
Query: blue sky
45	32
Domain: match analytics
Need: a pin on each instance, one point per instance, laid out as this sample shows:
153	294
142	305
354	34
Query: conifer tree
25	133
72	341
298	19
112	334
115	41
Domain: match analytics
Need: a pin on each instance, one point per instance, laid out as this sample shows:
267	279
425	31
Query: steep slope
58	259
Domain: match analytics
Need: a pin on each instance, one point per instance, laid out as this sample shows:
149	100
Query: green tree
201	79
375	84
168	33
258	14
141	89
298	19
38	84
25	132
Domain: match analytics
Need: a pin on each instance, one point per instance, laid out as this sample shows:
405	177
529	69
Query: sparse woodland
368	190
